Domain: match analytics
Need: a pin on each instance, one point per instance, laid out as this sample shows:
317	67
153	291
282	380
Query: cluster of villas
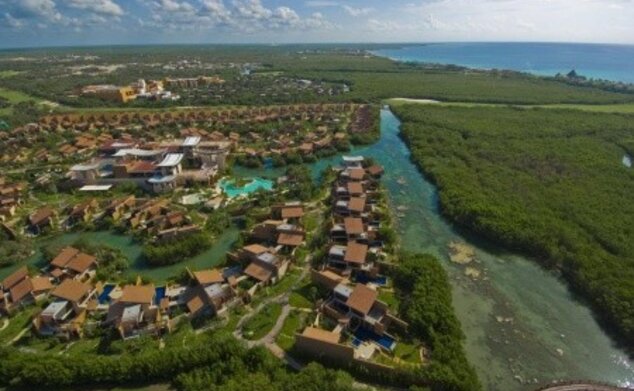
158	167
272	245
29	142
352	322
152	217
10	198
76	302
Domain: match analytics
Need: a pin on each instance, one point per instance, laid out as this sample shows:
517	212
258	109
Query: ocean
599	61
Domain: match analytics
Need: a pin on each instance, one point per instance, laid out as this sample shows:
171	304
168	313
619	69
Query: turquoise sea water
610	62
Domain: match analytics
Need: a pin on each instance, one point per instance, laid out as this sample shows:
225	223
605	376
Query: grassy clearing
625	108
261	323
304	296
17	323
388	298
9	73
293	324
14	97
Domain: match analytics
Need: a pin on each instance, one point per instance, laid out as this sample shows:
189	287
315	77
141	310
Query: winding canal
524	328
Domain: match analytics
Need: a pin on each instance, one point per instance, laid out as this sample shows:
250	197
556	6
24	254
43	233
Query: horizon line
276	44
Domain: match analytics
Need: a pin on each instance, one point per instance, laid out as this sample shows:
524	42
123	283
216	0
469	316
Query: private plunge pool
244	186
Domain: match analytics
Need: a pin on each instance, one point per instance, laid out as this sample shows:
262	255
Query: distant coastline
611	62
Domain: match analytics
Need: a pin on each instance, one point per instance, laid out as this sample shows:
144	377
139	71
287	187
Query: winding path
583	386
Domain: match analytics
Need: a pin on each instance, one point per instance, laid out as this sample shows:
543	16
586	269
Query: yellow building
110	92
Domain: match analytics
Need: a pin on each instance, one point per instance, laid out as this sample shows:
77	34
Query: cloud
11	21
103	7
27	9
321	3
357	11
238	16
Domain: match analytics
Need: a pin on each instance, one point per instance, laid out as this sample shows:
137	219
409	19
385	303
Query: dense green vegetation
547	182
370	78
174	251
12	251
206	362
424	297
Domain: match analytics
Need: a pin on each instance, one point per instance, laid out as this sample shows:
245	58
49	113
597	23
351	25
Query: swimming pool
231	190
362	335
104	297
159	294
364	279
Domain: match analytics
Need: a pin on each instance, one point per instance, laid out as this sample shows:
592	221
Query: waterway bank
523	326
132	249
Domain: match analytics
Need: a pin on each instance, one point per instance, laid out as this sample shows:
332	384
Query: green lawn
14	97
408	352
31	341
9	73
302	296
261	323
388	298
17	323
607	108
293	324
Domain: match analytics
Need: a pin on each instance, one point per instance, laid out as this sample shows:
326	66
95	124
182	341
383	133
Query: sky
28	23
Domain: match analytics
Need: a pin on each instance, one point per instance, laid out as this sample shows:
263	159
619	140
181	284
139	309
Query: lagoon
230	188
132	249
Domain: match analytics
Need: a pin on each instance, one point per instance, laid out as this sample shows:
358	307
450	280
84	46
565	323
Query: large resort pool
232	190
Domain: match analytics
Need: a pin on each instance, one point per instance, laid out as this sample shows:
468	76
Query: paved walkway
582	386
5	324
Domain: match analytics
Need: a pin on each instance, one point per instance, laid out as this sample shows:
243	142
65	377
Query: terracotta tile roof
355	188
258	272
62	259
211	276
354	225
321	335
287	239
255	249
21	290
40	216
195	304
143	166
41	284
57	272
355	252
137	294
71	290
362	299
356	204
375	170
15	277
81	262
289	212
356	173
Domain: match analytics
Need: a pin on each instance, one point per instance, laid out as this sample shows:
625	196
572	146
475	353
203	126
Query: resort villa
157	167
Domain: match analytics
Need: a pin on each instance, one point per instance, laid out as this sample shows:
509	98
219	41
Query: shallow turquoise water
229	187
516	315
603	61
